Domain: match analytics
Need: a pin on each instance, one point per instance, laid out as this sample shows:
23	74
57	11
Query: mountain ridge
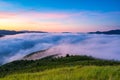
12	32
41	54
110	32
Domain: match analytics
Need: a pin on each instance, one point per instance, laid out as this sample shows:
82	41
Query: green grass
71	73
62	68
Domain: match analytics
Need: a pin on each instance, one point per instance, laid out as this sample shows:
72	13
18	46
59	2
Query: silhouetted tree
67	55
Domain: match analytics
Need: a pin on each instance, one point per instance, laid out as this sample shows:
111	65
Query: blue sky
77	5
60	15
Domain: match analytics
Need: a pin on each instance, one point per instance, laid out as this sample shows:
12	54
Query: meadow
61	68
71	73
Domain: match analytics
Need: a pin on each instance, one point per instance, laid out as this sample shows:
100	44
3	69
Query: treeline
24	66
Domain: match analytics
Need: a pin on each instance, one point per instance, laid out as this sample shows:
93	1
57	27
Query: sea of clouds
14	47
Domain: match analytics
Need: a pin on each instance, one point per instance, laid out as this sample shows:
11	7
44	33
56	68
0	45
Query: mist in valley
15	47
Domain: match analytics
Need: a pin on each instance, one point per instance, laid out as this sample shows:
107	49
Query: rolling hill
9	32
70	65
111	32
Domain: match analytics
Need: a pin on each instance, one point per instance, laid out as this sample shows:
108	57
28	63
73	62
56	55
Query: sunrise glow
19	17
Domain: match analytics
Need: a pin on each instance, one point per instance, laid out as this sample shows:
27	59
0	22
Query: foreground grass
48	63
71	73
62	68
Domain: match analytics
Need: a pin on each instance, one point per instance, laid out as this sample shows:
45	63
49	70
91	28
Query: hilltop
12	32
50	62
111	32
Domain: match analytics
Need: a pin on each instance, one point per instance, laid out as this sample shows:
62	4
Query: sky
60	15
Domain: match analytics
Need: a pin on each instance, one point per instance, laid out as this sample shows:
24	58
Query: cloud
101	46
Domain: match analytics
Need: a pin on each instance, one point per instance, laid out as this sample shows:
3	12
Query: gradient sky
60	15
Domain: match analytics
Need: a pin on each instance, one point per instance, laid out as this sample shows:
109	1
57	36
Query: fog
14	47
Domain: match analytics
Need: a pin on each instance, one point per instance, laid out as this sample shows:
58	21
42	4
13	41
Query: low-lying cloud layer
15	47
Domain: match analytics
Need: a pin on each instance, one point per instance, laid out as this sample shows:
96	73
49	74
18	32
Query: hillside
9	32
1	35
71	73
42	54
111	32
48	63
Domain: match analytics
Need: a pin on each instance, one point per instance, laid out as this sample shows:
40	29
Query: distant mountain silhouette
8	32
117	31
1	35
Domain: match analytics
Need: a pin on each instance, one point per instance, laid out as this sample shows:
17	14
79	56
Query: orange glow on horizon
52	22
38	22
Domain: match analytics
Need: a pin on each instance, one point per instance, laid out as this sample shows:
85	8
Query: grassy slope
72	73
49	68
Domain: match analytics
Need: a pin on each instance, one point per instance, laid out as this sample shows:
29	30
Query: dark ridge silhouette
1	35
111	32
8	32
34	53
66	32
39	55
